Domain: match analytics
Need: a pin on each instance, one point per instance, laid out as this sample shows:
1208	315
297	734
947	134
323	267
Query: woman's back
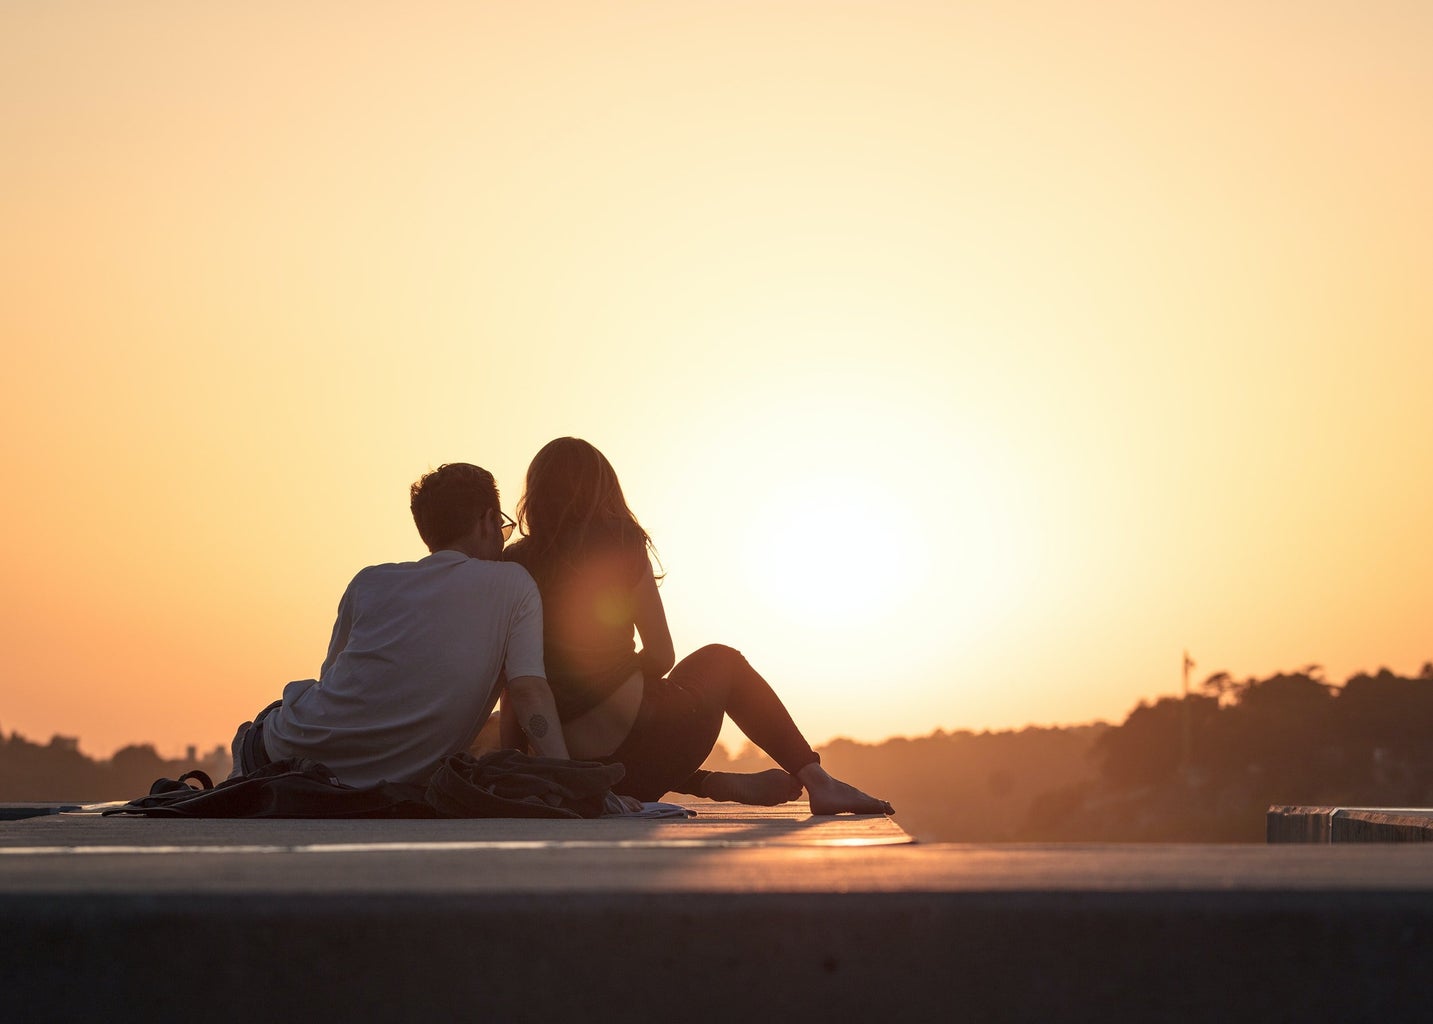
588	588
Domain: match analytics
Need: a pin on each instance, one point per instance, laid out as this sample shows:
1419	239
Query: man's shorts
252	753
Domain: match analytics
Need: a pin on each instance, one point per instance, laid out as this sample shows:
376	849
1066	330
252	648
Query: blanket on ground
503	784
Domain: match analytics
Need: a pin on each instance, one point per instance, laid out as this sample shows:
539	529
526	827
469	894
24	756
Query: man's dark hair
449	501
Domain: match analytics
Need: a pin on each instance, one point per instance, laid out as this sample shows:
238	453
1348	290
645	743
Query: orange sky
966	362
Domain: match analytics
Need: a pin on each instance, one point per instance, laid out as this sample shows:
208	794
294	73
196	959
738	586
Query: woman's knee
718	654
708	674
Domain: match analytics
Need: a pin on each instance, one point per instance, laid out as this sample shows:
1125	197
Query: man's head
454	504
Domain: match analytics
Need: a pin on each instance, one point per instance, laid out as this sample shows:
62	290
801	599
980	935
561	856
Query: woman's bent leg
673	734
725	678
681	717
723	681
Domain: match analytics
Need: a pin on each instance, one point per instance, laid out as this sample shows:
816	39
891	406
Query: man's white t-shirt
413	667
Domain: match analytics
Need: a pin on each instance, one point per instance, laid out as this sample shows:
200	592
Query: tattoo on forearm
537	727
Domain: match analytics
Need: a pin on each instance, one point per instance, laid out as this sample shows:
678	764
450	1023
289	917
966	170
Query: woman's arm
657	654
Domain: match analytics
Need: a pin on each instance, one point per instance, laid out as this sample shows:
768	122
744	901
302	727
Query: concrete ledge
1285	824
1289	824
730	917
720	957
1380	825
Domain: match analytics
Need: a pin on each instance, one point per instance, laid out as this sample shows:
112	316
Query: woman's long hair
572	495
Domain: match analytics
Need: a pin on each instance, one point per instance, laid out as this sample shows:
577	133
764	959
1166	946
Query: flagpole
1184	745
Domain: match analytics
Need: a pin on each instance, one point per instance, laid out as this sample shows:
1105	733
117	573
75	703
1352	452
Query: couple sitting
421	652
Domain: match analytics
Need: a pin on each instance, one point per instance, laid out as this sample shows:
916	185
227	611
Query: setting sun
818	557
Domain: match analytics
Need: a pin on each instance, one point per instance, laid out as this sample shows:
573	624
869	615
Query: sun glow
817	560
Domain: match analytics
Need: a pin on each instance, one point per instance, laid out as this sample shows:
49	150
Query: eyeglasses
508	524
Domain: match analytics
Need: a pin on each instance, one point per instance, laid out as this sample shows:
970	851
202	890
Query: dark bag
289	788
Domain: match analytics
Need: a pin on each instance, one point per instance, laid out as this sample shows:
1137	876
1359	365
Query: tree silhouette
58	772
1290	738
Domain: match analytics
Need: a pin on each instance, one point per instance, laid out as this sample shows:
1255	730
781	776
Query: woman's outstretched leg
765	789
720	678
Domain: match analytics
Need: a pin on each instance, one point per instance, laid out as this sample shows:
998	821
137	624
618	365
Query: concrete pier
734	916
1292	824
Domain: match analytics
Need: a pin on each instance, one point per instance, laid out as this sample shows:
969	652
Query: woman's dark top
588	608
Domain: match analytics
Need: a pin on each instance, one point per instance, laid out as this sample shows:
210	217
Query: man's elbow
525	690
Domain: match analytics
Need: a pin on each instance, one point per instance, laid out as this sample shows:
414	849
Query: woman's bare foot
832	796
767	788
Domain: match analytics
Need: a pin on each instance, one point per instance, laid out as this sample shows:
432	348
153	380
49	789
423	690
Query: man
420	652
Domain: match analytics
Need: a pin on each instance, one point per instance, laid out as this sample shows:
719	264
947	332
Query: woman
588	554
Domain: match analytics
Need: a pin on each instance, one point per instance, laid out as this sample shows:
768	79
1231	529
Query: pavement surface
740	913
728	849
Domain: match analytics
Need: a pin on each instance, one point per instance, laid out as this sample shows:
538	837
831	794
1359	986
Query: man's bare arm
536	715
509	734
